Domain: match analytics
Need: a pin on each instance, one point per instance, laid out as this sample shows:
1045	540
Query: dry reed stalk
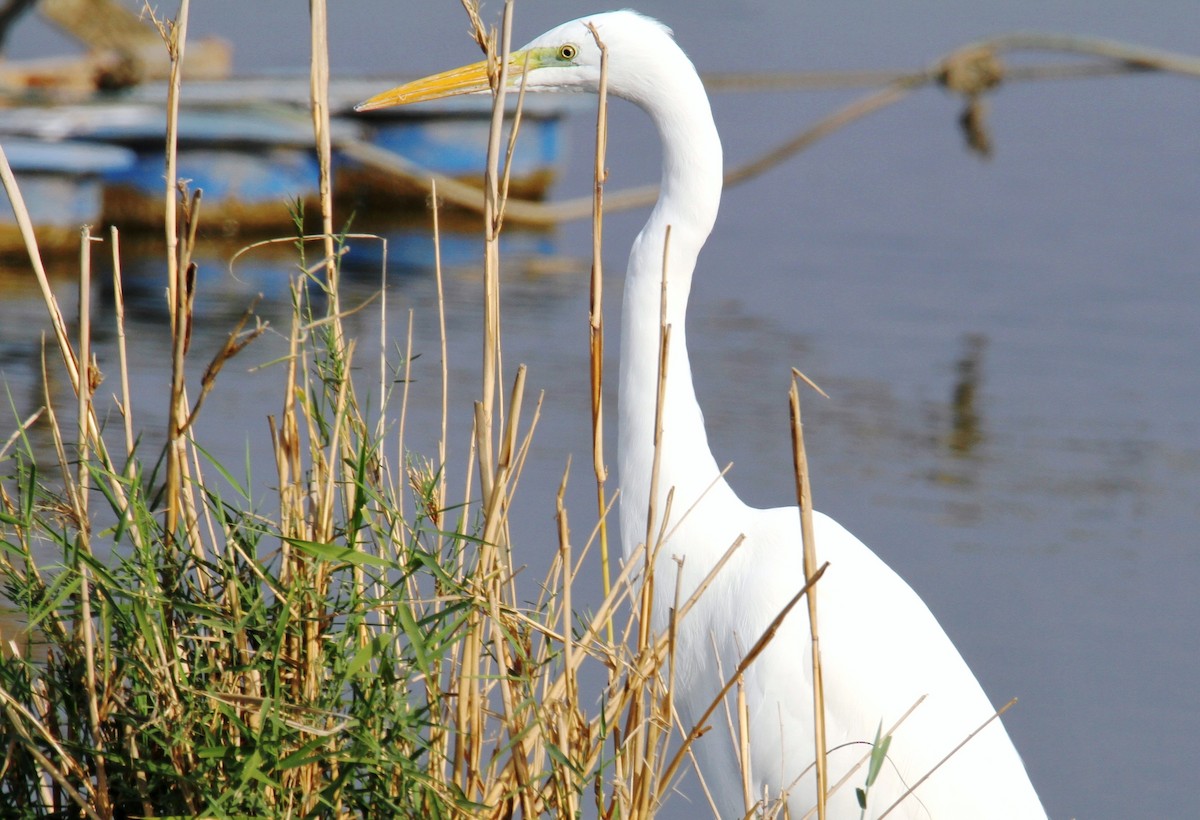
511	147
565	711
493	550
623	592
664	348
235	342
87	625
657	725
564	547
743	745
25	226
73	506
667	711
492	376
174	35
596	314
319	105
464	667
79	489
181	508
286	439
22	427
125	405
347	418
808	545
439	740
408	356
445	406
594	535
736	731
380	424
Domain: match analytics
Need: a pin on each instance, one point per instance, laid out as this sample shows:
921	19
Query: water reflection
966	430
224	288
229	280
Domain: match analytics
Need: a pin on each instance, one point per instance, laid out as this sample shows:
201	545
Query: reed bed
356	648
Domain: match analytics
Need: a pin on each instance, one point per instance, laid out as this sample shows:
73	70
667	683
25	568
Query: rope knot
971	71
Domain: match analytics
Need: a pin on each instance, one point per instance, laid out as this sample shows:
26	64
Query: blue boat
62	185
251	165
450	138
248	145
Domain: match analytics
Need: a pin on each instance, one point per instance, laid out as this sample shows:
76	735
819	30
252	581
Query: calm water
1011	347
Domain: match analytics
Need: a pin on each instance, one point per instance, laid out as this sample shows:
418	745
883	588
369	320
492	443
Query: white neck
687	204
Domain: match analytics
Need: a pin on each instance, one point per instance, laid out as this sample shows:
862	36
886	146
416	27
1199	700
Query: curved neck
687	205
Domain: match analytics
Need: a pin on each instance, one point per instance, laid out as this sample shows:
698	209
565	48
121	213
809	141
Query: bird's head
566	58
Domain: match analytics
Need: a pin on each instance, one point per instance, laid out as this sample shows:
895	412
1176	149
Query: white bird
882	649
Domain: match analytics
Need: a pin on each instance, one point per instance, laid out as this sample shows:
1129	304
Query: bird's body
882	649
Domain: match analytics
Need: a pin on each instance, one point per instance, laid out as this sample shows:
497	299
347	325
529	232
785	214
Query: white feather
882	649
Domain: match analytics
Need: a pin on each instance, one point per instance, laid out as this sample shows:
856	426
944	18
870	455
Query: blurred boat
62	184
248	146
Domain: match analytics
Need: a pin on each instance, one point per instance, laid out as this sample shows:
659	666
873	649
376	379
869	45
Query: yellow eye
567	52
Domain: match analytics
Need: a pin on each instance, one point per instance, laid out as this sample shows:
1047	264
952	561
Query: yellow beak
469	79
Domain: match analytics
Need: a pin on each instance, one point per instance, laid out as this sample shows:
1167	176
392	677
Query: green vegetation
356	650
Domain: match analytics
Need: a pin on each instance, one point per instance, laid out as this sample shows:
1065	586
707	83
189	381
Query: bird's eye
567	52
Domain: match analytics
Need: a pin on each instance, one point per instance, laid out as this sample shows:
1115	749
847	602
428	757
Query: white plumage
882	649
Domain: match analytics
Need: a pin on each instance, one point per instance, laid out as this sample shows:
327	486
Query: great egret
882	649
